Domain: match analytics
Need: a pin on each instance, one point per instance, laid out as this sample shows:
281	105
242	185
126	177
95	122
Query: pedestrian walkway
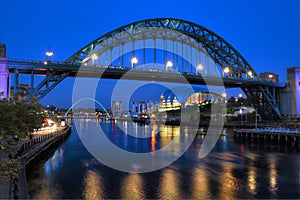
6	187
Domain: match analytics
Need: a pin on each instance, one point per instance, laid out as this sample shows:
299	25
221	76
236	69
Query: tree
35	116
19	118
9	169
16	119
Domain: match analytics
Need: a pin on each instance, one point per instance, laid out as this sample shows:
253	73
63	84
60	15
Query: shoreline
33	152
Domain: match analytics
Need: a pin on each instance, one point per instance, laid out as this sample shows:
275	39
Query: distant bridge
160	49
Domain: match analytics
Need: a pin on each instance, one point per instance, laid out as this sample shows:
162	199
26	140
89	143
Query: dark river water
231	170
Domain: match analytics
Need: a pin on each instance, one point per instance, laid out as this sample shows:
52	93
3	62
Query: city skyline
268	37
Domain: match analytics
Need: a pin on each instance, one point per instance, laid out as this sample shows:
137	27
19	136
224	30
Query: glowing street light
270	76
94	57
226	70
169	64
199	67
241	113
134	61
49	54
250	74
240	95
224	95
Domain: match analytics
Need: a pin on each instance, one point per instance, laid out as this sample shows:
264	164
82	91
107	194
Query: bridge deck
118	72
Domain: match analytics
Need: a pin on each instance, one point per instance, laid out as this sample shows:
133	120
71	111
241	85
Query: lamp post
94	57
134	61
169	64
250	74
49	54
241	113
226	70
199	68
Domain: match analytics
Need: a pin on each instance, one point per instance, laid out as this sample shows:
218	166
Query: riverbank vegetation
18	120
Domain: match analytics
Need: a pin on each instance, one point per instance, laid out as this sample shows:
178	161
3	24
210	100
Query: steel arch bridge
219	49
240	73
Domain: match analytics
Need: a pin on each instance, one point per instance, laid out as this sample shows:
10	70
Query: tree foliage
9	169
19	118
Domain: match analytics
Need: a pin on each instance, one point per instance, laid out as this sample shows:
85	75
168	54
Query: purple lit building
293	78
4	74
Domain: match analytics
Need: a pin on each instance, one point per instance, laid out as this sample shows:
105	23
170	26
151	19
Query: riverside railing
272	130
39	138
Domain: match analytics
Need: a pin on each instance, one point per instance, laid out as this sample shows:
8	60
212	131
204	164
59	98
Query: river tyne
232	170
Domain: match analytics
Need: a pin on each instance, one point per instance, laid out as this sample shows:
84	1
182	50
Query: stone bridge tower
293	78
4	74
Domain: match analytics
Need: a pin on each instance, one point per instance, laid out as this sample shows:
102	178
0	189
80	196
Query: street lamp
94	57
169	64
134	61
224	94
199	68
240	95
226	70
250	74
49	54
241	112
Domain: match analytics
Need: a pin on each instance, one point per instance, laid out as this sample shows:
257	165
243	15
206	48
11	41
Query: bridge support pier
4	74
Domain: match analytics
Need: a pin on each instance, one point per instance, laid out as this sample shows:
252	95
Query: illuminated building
175	102
198	98
168	105
143	107
269	76
4	74
293	83
116	108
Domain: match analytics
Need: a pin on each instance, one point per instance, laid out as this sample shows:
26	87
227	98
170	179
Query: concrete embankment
32	150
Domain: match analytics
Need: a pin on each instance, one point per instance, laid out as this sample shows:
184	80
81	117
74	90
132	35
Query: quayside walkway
27	150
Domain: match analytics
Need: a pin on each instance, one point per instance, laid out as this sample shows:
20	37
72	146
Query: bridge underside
265	99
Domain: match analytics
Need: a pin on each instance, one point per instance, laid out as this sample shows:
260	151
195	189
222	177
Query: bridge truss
192	37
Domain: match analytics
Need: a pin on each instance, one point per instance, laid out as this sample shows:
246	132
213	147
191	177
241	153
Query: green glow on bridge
84	99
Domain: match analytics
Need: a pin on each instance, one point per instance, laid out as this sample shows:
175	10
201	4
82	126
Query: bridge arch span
86	99
221	51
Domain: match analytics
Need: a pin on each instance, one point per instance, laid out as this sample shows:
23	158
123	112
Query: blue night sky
265	32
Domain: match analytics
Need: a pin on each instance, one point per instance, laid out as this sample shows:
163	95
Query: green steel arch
84	99
223	54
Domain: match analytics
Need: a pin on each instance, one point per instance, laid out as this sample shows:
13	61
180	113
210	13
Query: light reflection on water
200	178
134	184
92	186
169	185
230	171
252	180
